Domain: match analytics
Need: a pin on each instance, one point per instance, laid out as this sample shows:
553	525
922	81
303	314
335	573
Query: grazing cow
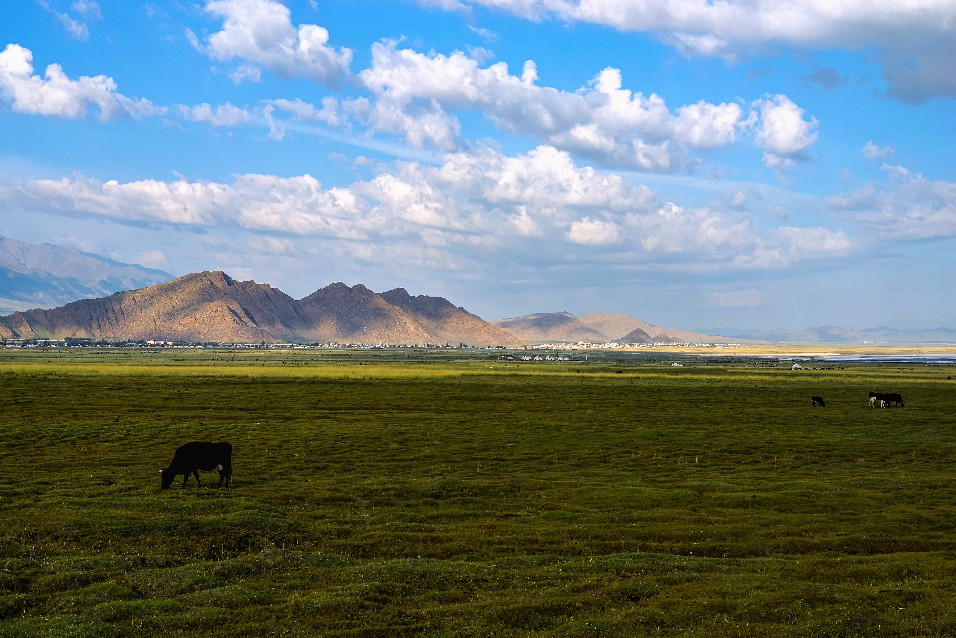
818	401
200	455
893	397
884	399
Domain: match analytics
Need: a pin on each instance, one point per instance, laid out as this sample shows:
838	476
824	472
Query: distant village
79	342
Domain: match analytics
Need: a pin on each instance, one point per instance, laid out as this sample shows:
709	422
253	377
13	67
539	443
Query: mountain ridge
211	306
47	276
597	328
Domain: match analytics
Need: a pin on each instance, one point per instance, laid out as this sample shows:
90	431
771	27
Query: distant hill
213	307
46	276
598	328
615	325
358	315
551	326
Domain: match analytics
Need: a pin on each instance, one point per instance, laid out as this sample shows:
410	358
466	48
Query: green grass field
443	494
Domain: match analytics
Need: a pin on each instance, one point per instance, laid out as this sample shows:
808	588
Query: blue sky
696	164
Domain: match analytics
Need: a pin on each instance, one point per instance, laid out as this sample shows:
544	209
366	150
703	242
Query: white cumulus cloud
57	95
593	232
260	35
256	202
413	95
782	129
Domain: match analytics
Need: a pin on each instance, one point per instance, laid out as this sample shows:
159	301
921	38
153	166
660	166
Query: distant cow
893	397
818	401
884	399
200	455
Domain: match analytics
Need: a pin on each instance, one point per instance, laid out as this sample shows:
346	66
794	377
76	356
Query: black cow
818	401
893	397
200	455
884	399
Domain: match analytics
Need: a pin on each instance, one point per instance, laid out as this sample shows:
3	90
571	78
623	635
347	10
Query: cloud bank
471	206
413	96
915	41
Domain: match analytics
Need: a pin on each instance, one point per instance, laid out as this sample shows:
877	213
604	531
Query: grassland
443	494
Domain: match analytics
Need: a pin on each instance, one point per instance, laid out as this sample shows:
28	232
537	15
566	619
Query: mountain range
597	328
213	307
47	276
57	292
79	295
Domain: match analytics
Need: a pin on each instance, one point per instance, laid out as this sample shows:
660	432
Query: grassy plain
444	494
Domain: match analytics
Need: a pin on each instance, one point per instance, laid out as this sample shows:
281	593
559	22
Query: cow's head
168	477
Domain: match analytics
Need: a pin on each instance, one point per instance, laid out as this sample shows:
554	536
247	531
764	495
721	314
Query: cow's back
204	455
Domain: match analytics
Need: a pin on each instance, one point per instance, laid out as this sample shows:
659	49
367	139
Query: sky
697	164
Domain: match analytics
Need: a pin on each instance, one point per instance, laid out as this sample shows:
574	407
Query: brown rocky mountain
358	315
613	326
449	323
211	306
208	306
640	336
596	328
551	326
